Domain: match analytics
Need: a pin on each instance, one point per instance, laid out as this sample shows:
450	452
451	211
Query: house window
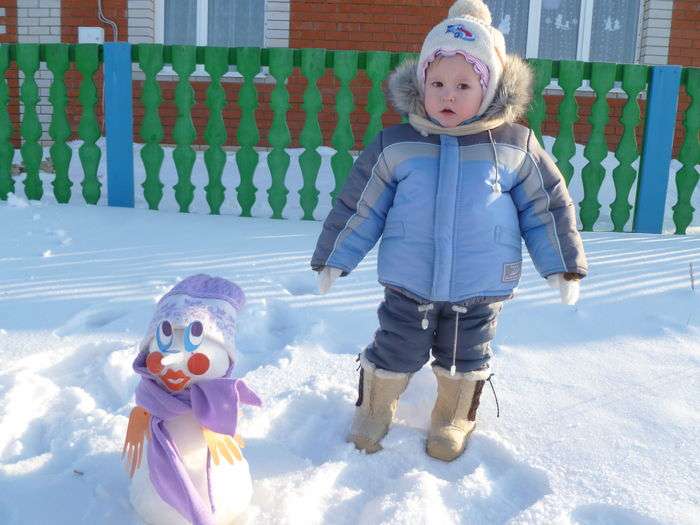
595	30
225	23
510	17
559	29
615	31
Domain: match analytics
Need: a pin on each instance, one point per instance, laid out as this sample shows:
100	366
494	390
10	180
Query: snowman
181	448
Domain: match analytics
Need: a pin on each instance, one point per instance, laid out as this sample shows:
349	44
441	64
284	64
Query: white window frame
202	22
202	35
583	45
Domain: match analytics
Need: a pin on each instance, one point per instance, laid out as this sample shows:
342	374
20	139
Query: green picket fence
58	58
602	77
633	81
689	156
312	64
249	61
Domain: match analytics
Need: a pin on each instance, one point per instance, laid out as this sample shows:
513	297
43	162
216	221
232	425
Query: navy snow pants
401	344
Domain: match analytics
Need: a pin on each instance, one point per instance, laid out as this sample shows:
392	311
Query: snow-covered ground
599	402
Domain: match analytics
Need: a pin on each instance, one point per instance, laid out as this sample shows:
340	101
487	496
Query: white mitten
569	291
326	277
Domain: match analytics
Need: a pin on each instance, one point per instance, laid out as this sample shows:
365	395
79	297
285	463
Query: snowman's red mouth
174	380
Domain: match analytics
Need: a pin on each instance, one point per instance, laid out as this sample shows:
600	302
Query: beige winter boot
378	396
454	414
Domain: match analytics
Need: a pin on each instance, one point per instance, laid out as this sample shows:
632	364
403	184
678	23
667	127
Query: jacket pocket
503	235
393	229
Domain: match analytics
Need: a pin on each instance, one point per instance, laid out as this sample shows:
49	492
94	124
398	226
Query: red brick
73	15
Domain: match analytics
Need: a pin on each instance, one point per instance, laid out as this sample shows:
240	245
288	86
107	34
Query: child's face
453	92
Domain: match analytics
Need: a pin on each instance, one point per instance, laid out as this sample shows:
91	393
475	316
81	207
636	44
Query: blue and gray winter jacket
451	206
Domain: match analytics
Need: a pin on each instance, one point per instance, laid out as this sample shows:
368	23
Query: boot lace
498	409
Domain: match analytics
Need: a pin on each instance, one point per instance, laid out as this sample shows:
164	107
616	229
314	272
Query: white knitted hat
467	30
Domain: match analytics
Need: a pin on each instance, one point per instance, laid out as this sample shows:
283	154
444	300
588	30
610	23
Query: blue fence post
657	151
119	118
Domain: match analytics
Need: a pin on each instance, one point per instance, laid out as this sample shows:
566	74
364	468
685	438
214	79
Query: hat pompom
473	8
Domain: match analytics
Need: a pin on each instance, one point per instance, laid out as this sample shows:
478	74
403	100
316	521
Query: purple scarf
215	406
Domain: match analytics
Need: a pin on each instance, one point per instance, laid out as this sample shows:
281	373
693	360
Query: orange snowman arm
139	427
224	445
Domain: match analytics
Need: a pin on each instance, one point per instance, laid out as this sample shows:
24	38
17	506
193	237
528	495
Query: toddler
451	194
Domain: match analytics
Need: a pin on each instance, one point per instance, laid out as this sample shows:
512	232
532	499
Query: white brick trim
277	23
39	22
655	33
141	18
36	19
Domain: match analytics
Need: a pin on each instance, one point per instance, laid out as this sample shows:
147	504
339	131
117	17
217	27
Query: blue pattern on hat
459	31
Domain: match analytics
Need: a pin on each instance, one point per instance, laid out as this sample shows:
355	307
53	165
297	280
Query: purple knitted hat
204	286
213	301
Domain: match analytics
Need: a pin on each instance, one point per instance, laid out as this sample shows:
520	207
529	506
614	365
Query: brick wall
138	17
8	21
311	26
582	129
333	24
295	117
362	24
76	13
277	15
684	47
8	34
355	24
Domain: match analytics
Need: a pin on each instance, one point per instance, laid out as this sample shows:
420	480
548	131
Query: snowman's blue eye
164	336
194	334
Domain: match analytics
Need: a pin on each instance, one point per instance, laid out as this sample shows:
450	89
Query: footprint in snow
61	235
300	284
489	484
325	414
265	329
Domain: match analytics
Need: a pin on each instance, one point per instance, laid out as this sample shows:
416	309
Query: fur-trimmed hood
510	103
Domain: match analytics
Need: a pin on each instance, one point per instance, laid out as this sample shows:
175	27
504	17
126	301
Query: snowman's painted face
181	356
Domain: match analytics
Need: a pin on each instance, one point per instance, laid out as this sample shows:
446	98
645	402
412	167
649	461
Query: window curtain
559	25
614	31
237	23
511	18
180	24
